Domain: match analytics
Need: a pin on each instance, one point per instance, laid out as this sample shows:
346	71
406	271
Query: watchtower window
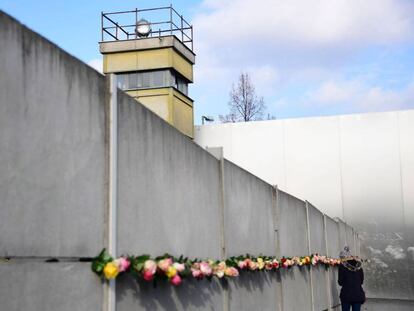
181	84
152	79
145	79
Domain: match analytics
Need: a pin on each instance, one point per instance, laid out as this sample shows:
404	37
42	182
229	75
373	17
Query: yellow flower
171	272
260	263
111	270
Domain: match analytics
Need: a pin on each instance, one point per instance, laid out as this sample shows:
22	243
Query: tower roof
141	24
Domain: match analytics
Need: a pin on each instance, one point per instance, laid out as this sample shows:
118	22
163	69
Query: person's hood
352	265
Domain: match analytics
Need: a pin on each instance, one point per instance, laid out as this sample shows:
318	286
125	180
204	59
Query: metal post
182	31
327	276
309	252
102	32
113	186
171	19
192	40
275	213
136	22
226	305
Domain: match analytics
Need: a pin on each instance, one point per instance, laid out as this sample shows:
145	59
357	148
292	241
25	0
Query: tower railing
164	21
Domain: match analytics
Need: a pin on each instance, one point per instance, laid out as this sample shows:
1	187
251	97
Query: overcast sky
305	57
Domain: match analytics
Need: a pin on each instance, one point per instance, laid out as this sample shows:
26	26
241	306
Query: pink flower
242	264
180	267
150	266
196	273
147	275
205	268
252	265
231	271
176	280
164	264
268	265
122	263
219	269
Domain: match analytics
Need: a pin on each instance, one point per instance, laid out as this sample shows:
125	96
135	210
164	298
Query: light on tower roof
143	28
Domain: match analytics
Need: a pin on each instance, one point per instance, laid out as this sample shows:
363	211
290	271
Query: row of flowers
174	270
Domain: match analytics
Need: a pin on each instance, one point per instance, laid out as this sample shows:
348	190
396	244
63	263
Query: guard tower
151	52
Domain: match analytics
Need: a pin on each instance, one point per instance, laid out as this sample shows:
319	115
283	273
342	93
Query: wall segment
173	196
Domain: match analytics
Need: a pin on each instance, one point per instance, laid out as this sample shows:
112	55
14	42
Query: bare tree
244	104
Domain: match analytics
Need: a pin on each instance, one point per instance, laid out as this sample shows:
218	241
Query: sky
306	58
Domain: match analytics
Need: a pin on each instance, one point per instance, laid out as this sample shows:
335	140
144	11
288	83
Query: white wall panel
370	164
357	167
312	162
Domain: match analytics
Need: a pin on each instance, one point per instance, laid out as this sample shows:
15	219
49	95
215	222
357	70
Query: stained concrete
253	291
29	286
317	245
191	295
292	226
52	148
249	226
296	289
169	192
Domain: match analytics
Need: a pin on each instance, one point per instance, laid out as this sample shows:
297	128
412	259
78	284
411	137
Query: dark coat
351	278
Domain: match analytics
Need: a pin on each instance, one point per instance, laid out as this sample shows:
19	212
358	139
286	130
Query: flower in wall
150	268
295	261
242	264
123	263
205	268
175	269
195	271
164	264
111	270
268	265
260	263
231	271
315	259
180	267
176	280
251	264
218	270
171	272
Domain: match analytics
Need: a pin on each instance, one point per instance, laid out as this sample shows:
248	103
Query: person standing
351	278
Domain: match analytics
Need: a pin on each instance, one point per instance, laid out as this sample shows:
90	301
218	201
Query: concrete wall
34	285
52	149
249	226
293	240
169	201
333	247
357	167
318	245
173	196
52	174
